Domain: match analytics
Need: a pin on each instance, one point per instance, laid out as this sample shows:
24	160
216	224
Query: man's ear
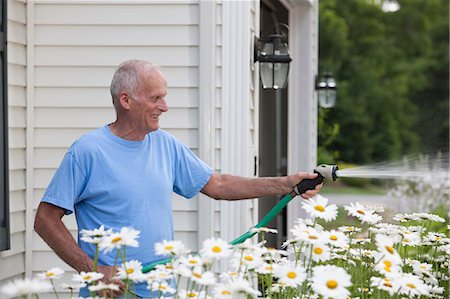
124	100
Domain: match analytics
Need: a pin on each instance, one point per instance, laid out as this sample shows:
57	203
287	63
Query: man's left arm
230	187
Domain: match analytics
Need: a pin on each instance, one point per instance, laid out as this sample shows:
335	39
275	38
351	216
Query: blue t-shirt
110	181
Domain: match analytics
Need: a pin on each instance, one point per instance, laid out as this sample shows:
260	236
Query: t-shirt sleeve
191	173
66	185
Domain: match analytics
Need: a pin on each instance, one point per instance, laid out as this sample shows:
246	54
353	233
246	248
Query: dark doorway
273	124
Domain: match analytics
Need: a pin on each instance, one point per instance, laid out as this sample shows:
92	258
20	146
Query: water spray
323	171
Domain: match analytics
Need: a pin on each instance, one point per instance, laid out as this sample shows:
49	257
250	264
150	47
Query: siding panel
116	35
76	49
156	14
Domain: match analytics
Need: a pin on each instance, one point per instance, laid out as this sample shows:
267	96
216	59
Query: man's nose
163	106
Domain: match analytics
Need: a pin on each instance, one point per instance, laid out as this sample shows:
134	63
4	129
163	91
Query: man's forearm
49	226
230	187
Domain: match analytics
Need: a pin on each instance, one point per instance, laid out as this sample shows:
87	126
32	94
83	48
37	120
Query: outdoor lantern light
274	61
326	90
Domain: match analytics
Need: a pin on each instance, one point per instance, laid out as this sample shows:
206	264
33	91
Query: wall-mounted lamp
274	61
326	90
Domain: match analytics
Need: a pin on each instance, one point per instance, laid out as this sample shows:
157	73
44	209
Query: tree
385	64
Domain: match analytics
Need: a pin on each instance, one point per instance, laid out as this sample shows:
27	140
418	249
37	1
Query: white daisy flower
263	230
273	254
192	294
318	207
25	287
387	265
126	237
94	236
241	287
224	291
385	284
410	238
87	277
306	234
158	275
100	286
162	287
320	252
349	229
215	248
131	270
191	261
331	281
431	217
412	285
290	275
335	238
53	273
357	209
203	278
250	259
229	276
370	218
404	217
264	268
173	247
385	245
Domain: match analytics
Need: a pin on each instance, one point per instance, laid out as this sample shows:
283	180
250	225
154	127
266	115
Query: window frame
5	233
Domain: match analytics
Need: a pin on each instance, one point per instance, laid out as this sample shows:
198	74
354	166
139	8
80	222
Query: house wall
12	262
76	48
63	54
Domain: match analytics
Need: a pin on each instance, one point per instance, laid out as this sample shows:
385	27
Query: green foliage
392	75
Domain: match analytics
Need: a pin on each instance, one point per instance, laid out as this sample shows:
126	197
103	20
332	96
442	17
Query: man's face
147	106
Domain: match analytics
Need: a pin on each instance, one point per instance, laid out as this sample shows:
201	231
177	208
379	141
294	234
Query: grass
341	188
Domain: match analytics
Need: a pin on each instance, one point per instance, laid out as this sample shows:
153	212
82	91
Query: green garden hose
323	171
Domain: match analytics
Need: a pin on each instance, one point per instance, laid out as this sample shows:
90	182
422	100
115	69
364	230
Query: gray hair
127	78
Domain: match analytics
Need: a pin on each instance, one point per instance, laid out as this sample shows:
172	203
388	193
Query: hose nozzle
327	171
323	171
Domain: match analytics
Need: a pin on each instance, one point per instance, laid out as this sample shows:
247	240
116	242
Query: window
4	170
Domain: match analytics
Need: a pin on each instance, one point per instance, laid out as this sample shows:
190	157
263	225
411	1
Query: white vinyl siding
76	49
63	54
12	262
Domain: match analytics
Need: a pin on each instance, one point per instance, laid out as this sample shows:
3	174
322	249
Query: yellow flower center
216	249
319	208
389	249
410	285
387	284
332	284
198	275
312	237
225	292
168	247
291	275
248	258
360	212
162	287
170	267
268	268
87	277
116	239
333	238
50	274
387	263
130	270
318	250
191	295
